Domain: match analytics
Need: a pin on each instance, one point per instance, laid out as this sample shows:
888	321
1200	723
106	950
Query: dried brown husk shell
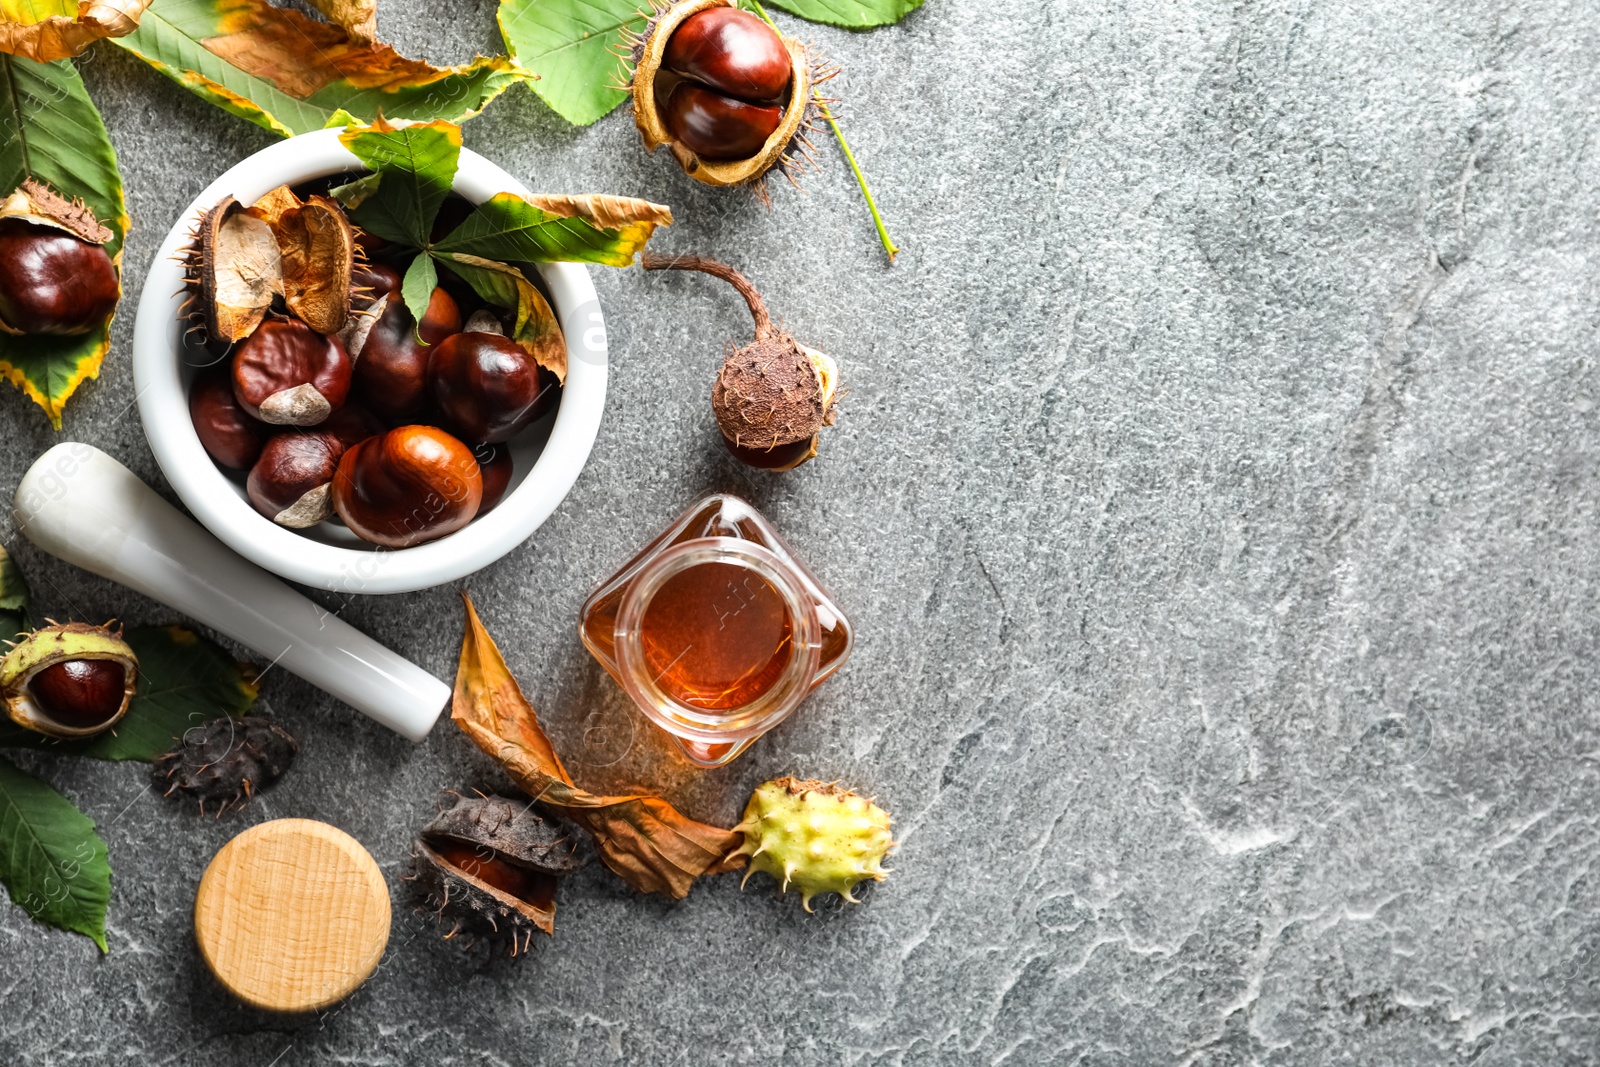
774	392
35	202
239	271
648	71
317	247
510	832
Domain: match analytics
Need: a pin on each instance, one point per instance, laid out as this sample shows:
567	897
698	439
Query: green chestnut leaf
416	166
51	860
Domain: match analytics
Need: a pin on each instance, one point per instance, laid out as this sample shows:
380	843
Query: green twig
872	205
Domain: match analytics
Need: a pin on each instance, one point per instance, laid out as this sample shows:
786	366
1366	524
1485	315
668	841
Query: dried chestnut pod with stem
489	865
774	395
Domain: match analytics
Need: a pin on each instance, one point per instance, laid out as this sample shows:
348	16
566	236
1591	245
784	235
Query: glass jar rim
731	724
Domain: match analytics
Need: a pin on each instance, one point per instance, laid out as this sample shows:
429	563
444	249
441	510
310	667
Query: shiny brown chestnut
229	435
371	282
411	485
391	371
733	52
52	282
292	482
80	693
487	387
494	461
716	126
288	374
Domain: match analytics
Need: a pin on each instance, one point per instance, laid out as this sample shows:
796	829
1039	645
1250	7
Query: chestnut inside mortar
202	357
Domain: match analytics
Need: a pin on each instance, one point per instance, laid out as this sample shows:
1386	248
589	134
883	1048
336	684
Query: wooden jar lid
292	915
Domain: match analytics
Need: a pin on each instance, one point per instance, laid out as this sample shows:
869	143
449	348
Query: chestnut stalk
773	396
411	485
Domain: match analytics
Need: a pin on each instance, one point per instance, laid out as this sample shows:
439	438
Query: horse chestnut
81	693
494	461
717	126
733	52
288	374
230	436
53	282
487	387
292	482
411	485
391	370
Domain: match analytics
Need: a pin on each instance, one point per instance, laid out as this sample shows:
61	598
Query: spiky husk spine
224	763
814	836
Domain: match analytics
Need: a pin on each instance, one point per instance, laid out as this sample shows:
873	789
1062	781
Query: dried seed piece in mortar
773	396
236	271
225	762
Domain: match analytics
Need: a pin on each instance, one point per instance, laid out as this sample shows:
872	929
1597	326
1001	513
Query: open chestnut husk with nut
69	680
55	274
339	404
728	95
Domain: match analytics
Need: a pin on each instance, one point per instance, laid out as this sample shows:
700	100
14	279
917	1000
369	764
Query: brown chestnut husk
228	433
244	260
487	387
411	485
722	132
391	360
288	374
69	680
489	866
55	275
772	396
225	762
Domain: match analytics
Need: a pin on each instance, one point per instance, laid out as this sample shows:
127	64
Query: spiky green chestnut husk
814	836
52	645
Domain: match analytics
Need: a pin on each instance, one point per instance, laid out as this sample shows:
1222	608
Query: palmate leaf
571	45
47	30
415	167
51	132
184	680
291	74
851	14
609	230
51	860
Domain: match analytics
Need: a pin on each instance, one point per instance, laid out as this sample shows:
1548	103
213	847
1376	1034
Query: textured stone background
1216	498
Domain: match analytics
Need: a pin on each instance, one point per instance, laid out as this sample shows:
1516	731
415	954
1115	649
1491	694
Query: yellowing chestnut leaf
47	30
54	135
290	73
609	230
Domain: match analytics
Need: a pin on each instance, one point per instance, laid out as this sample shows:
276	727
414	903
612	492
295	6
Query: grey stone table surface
1216	498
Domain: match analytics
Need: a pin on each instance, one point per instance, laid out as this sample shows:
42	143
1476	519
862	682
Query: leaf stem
872	205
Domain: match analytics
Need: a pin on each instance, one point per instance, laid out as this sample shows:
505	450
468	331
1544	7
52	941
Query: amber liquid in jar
716	630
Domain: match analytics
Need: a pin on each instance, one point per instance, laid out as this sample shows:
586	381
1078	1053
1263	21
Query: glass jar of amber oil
716	630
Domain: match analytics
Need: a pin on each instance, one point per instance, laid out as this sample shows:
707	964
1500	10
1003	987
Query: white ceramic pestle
81	505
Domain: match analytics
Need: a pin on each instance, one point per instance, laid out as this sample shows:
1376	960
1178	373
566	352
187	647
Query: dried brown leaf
33	31
606	212
360	17
646	841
